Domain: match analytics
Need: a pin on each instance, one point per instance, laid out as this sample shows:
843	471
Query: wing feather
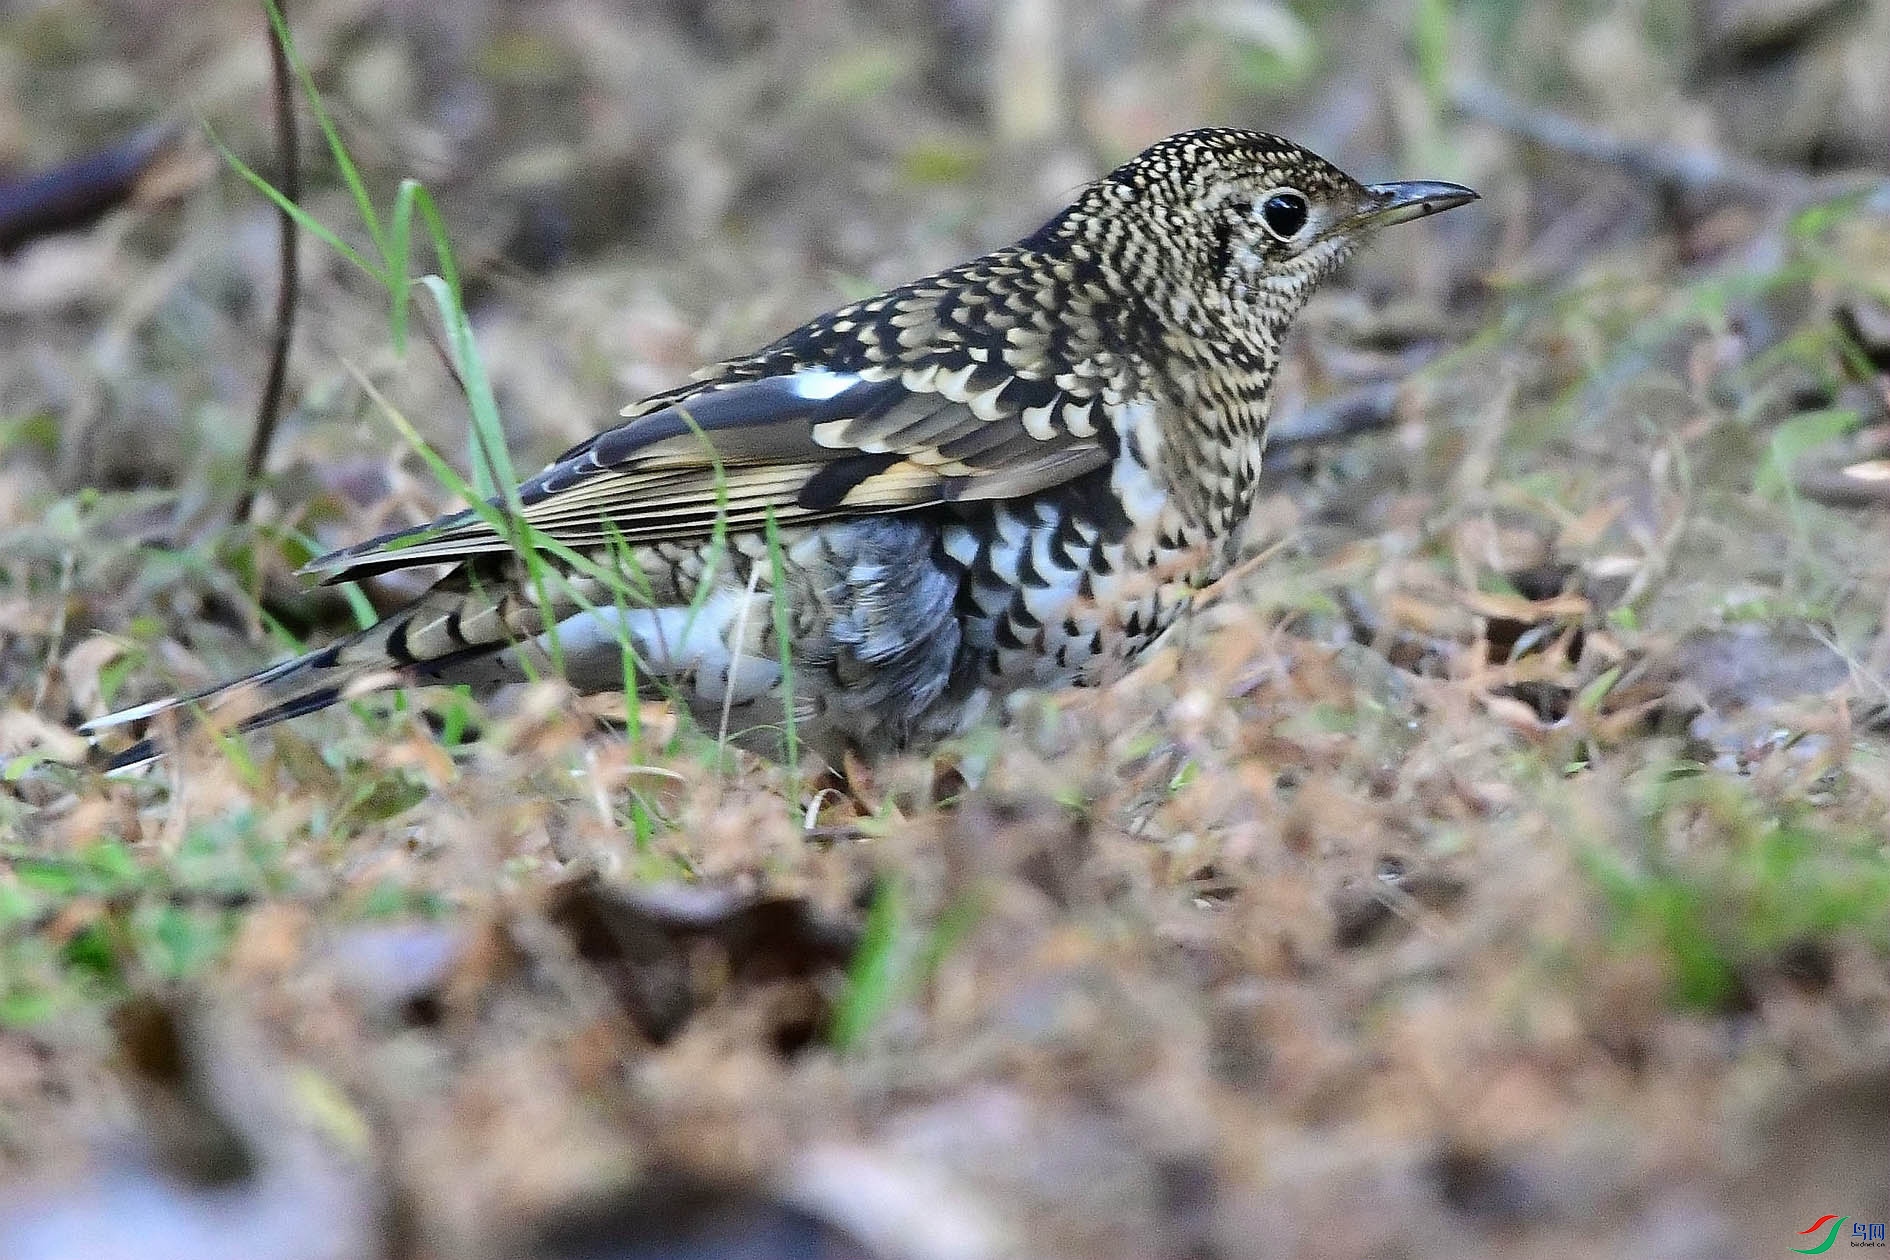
800	443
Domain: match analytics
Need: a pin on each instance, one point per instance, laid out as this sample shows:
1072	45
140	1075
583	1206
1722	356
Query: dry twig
269	407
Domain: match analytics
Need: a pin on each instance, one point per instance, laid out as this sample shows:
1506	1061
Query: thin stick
734	662
56	639
288	255
445	356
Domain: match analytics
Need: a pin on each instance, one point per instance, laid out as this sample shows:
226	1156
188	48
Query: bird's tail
425	641
287	689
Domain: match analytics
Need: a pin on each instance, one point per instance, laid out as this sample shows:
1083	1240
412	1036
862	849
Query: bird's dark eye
1284	213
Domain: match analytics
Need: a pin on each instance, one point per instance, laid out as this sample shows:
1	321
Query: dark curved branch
288	254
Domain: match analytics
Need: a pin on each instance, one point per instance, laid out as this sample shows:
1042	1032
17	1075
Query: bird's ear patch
1221	256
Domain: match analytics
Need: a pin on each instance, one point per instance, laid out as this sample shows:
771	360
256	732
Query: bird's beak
1413	199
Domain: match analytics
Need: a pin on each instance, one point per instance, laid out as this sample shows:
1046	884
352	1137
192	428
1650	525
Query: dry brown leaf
23	731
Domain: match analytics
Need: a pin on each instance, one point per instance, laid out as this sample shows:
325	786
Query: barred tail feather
148	748
486	635
288	689
460	631
381	655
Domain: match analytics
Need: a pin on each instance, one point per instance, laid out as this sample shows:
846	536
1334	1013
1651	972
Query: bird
1014	474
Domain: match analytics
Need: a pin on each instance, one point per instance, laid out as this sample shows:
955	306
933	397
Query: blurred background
1504	875
638	188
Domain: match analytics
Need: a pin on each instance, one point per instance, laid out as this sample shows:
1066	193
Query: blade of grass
872	980
303	219
350	174
784	649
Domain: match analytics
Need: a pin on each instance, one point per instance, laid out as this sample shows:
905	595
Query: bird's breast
1070	585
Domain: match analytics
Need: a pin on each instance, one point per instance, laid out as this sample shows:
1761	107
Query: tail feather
482	626
428	639
211	697
148	749
288	689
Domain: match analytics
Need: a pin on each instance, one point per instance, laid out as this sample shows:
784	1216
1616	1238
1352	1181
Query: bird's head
1240	219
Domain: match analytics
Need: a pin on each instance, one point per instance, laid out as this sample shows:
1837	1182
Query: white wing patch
819	384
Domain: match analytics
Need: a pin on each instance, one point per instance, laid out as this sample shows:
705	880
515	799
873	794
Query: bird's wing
801	443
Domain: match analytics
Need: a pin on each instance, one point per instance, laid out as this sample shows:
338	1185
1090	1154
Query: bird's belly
711	655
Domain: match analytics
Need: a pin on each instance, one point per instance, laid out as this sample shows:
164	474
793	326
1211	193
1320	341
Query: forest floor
1497	867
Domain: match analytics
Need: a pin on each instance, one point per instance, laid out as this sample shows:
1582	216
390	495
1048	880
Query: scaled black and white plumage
1015	473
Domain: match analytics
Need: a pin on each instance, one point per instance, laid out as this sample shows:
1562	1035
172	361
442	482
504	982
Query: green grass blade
399	247
784	649
350	174
491	463
873	979
303	219
442	243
